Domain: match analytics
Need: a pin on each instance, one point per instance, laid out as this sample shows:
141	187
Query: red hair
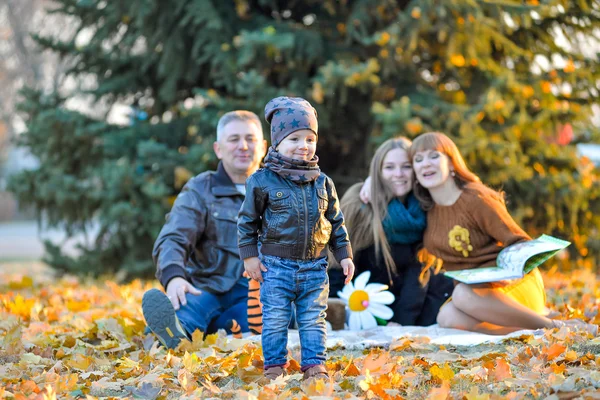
464	178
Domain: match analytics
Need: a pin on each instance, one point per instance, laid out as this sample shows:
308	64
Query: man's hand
365	191
253	266
176	290
348	267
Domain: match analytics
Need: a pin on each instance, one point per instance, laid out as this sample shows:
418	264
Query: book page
515	257
514	261
481	275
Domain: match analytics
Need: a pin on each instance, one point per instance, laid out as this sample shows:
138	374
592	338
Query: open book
513	261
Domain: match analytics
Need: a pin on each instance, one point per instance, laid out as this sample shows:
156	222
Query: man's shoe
161	318
336	313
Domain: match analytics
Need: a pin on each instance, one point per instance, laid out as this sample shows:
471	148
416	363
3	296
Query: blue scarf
404	224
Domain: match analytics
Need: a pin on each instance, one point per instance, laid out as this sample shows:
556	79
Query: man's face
241	147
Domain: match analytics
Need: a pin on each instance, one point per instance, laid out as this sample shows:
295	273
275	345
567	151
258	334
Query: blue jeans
210	312
306	284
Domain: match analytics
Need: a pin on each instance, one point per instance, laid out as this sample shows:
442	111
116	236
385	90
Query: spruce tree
508	80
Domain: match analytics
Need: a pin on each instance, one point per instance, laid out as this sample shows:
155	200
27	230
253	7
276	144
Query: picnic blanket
382	336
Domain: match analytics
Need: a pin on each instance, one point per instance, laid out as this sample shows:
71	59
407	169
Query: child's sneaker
273	373
316	372
336	313
161	318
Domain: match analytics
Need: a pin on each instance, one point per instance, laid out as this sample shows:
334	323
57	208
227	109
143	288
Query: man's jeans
210	312
305	283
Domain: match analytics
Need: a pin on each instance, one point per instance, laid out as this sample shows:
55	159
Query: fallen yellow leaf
445	373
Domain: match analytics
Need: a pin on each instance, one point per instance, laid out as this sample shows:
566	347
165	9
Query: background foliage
508	80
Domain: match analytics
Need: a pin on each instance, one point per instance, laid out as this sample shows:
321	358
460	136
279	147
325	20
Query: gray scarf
298	171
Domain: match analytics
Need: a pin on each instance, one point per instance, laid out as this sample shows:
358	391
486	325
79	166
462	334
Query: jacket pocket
279	200
226	228
323	199
273	225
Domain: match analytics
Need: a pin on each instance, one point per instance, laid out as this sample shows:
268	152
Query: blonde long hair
464	178
364	221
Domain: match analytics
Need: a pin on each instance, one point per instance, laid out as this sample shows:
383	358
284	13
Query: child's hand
253	266
348	267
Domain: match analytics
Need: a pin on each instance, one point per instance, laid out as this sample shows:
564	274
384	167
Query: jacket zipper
305	222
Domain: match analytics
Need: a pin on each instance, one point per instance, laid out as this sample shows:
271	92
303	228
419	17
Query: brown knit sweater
471	232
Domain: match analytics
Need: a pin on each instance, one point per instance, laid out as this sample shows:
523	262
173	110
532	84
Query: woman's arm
493	218
365	191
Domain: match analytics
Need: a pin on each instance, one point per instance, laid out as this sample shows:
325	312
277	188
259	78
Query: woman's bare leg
452	317
495	307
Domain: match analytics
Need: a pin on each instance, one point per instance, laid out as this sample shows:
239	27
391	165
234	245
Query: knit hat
289	114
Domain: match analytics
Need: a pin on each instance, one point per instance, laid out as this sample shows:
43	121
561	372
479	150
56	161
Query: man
196	252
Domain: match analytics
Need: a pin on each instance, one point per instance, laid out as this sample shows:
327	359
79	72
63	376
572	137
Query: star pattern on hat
303	112
295	124
290	111
281	126
289	103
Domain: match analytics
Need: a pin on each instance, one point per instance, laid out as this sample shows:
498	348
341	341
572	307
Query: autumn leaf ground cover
71	338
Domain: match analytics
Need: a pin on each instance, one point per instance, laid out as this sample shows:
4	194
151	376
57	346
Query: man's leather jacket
291	220
199	239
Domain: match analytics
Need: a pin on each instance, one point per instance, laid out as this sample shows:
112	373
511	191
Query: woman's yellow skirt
528	291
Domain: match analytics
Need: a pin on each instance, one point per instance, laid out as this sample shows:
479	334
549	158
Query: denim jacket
291	220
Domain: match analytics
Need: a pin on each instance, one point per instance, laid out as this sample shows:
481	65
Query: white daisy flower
366	301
